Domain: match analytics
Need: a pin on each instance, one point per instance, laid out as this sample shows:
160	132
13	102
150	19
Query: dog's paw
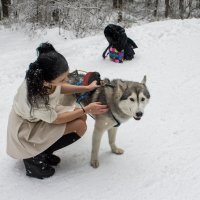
118	151
94	163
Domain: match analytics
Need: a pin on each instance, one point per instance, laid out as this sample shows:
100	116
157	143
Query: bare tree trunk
115	2
5	7
120	10
0	12
167	8
37	15
119	16
197	4
120	4
148	3
155	12
181	8
190	8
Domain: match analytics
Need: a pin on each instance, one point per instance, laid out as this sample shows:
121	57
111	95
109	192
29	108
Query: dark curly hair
49	65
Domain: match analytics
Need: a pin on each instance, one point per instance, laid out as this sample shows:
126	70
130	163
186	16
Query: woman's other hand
93	86
96	108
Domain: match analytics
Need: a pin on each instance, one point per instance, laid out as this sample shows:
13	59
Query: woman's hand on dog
93	86
96	108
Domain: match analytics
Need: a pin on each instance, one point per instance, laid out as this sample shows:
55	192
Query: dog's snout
139	114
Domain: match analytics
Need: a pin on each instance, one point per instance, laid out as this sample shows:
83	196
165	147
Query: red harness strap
86	78
90	77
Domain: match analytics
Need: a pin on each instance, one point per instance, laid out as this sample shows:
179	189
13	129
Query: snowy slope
162	151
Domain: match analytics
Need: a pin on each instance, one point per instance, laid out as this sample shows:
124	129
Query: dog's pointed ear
125	94
144	80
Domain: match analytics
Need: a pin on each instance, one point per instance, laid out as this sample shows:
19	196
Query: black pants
64	141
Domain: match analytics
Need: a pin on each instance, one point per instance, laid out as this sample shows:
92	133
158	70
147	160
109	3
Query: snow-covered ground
162	150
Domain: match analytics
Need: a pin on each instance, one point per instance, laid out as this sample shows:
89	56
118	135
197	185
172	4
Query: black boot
51	159
37	168
64	141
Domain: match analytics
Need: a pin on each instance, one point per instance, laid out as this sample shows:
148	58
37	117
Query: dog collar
118	123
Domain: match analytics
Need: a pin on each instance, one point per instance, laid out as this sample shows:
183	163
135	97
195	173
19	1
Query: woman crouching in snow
38	125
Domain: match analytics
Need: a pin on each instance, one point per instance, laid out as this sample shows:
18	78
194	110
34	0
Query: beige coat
30	134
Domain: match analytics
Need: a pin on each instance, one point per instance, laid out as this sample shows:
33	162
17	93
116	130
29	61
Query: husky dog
125	100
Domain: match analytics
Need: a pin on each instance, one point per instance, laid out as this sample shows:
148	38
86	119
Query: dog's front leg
112	137
96	140
102	124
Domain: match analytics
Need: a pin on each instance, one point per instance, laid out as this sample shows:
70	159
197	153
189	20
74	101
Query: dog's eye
142	99
132	99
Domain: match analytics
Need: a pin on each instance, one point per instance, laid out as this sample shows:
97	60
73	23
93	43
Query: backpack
115	55
118	40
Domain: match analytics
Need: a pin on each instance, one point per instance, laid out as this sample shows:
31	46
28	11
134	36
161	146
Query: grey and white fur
125	100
